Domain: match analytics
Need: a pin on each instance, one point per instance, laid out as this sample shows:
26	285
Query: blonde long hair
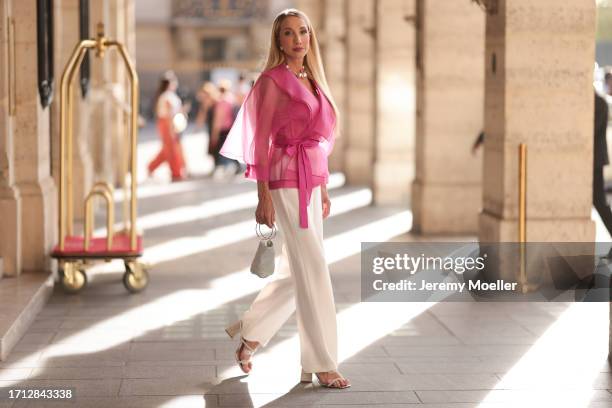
312	61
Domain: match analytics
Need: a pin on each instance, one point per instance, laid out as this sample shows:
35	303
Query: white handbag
263	261
179	122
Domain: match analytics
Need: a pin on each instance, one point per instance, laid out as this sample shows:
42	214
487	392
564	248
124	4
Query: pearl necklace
302	74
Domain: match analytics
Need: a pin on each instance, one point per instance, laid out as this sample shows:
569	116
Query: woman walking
223	119
284	133
167	106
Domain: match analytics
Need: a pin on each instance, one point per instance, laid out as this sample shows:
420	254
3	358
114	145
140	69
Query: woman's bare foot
333	379
244	353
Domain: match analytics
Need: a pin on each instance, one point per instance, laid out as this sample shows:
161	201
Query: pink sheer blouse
284	133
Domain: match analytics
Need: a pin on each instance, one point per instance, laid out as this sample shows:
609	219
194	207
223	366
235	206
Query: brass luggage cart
76	253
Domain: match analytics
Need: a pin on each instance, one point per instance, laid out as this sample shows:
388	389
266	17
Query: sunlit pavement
166	346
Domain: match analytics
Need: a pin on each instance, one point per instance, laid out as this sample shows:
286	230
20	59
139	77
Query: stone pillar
32	148
100	137
130	27
118	91
10	204
313	9
67	36
528	65
450	63
395	101
333	39
361	95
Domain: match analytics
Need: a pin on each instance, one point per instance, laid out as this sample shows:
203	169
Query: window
213	49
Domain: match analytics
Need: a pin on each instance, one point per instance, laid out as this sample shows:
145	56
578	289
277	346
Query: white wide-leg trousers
301	283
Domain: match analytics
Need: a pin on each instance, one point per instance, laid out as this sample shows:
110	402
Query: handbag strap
262	235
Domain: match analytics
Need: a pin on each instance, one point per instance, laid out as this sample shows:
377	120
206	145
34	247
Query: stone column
118	91
529	65
395	101
130	27
67	36
32	149
333	37
313	9
450	63
10	204
361	95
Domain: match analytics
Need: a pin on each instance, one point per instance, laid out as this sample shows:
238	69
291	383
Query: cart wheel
73	279
135	278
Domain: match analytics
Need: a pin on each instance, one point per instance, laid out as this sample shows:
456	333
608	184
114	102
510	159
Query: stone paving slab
165	386
22	359
84	388
14	374
487	339
202	372
187	401
299	397
451	366
460	350
170	353
508	396
77	373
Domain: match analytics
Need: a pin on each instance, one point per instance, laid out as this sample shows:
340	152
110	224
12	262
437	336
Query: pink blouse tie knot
304	173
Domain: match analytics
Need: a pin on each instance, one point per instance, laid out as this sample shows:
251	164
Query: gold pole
67	74
89	219
522	192
522	238
70	144
104	186
12	71
133	138
124	170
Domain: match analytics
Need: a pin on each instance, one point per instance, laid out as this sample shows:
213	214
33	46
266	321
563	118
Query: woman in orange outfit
167	106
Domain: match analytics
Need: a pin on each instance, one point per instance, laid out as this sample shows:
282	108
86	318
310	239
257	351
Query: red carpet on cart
73	246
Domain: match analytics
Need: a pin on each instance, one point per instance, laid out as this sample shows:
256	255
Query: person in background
478	142
207	97
600	159
223	119
242	90
170	115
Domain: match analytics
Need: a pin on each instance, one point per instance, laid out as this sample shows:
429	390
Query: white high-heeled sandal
307	378
232	331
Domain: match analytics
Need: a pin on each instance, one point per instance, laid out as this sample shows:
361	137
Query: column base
10	227
494	229
39	202
445	208
23	298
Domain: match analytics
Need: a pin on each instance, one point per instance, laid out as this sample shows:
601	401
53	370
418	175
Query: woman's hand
325	202
264	214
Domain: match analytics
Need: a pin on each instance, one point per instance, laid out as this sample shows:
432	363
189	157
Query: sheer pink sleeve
249	138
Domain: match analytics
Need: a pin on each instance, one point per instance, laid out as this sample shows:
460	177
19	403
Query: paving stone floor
166	347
